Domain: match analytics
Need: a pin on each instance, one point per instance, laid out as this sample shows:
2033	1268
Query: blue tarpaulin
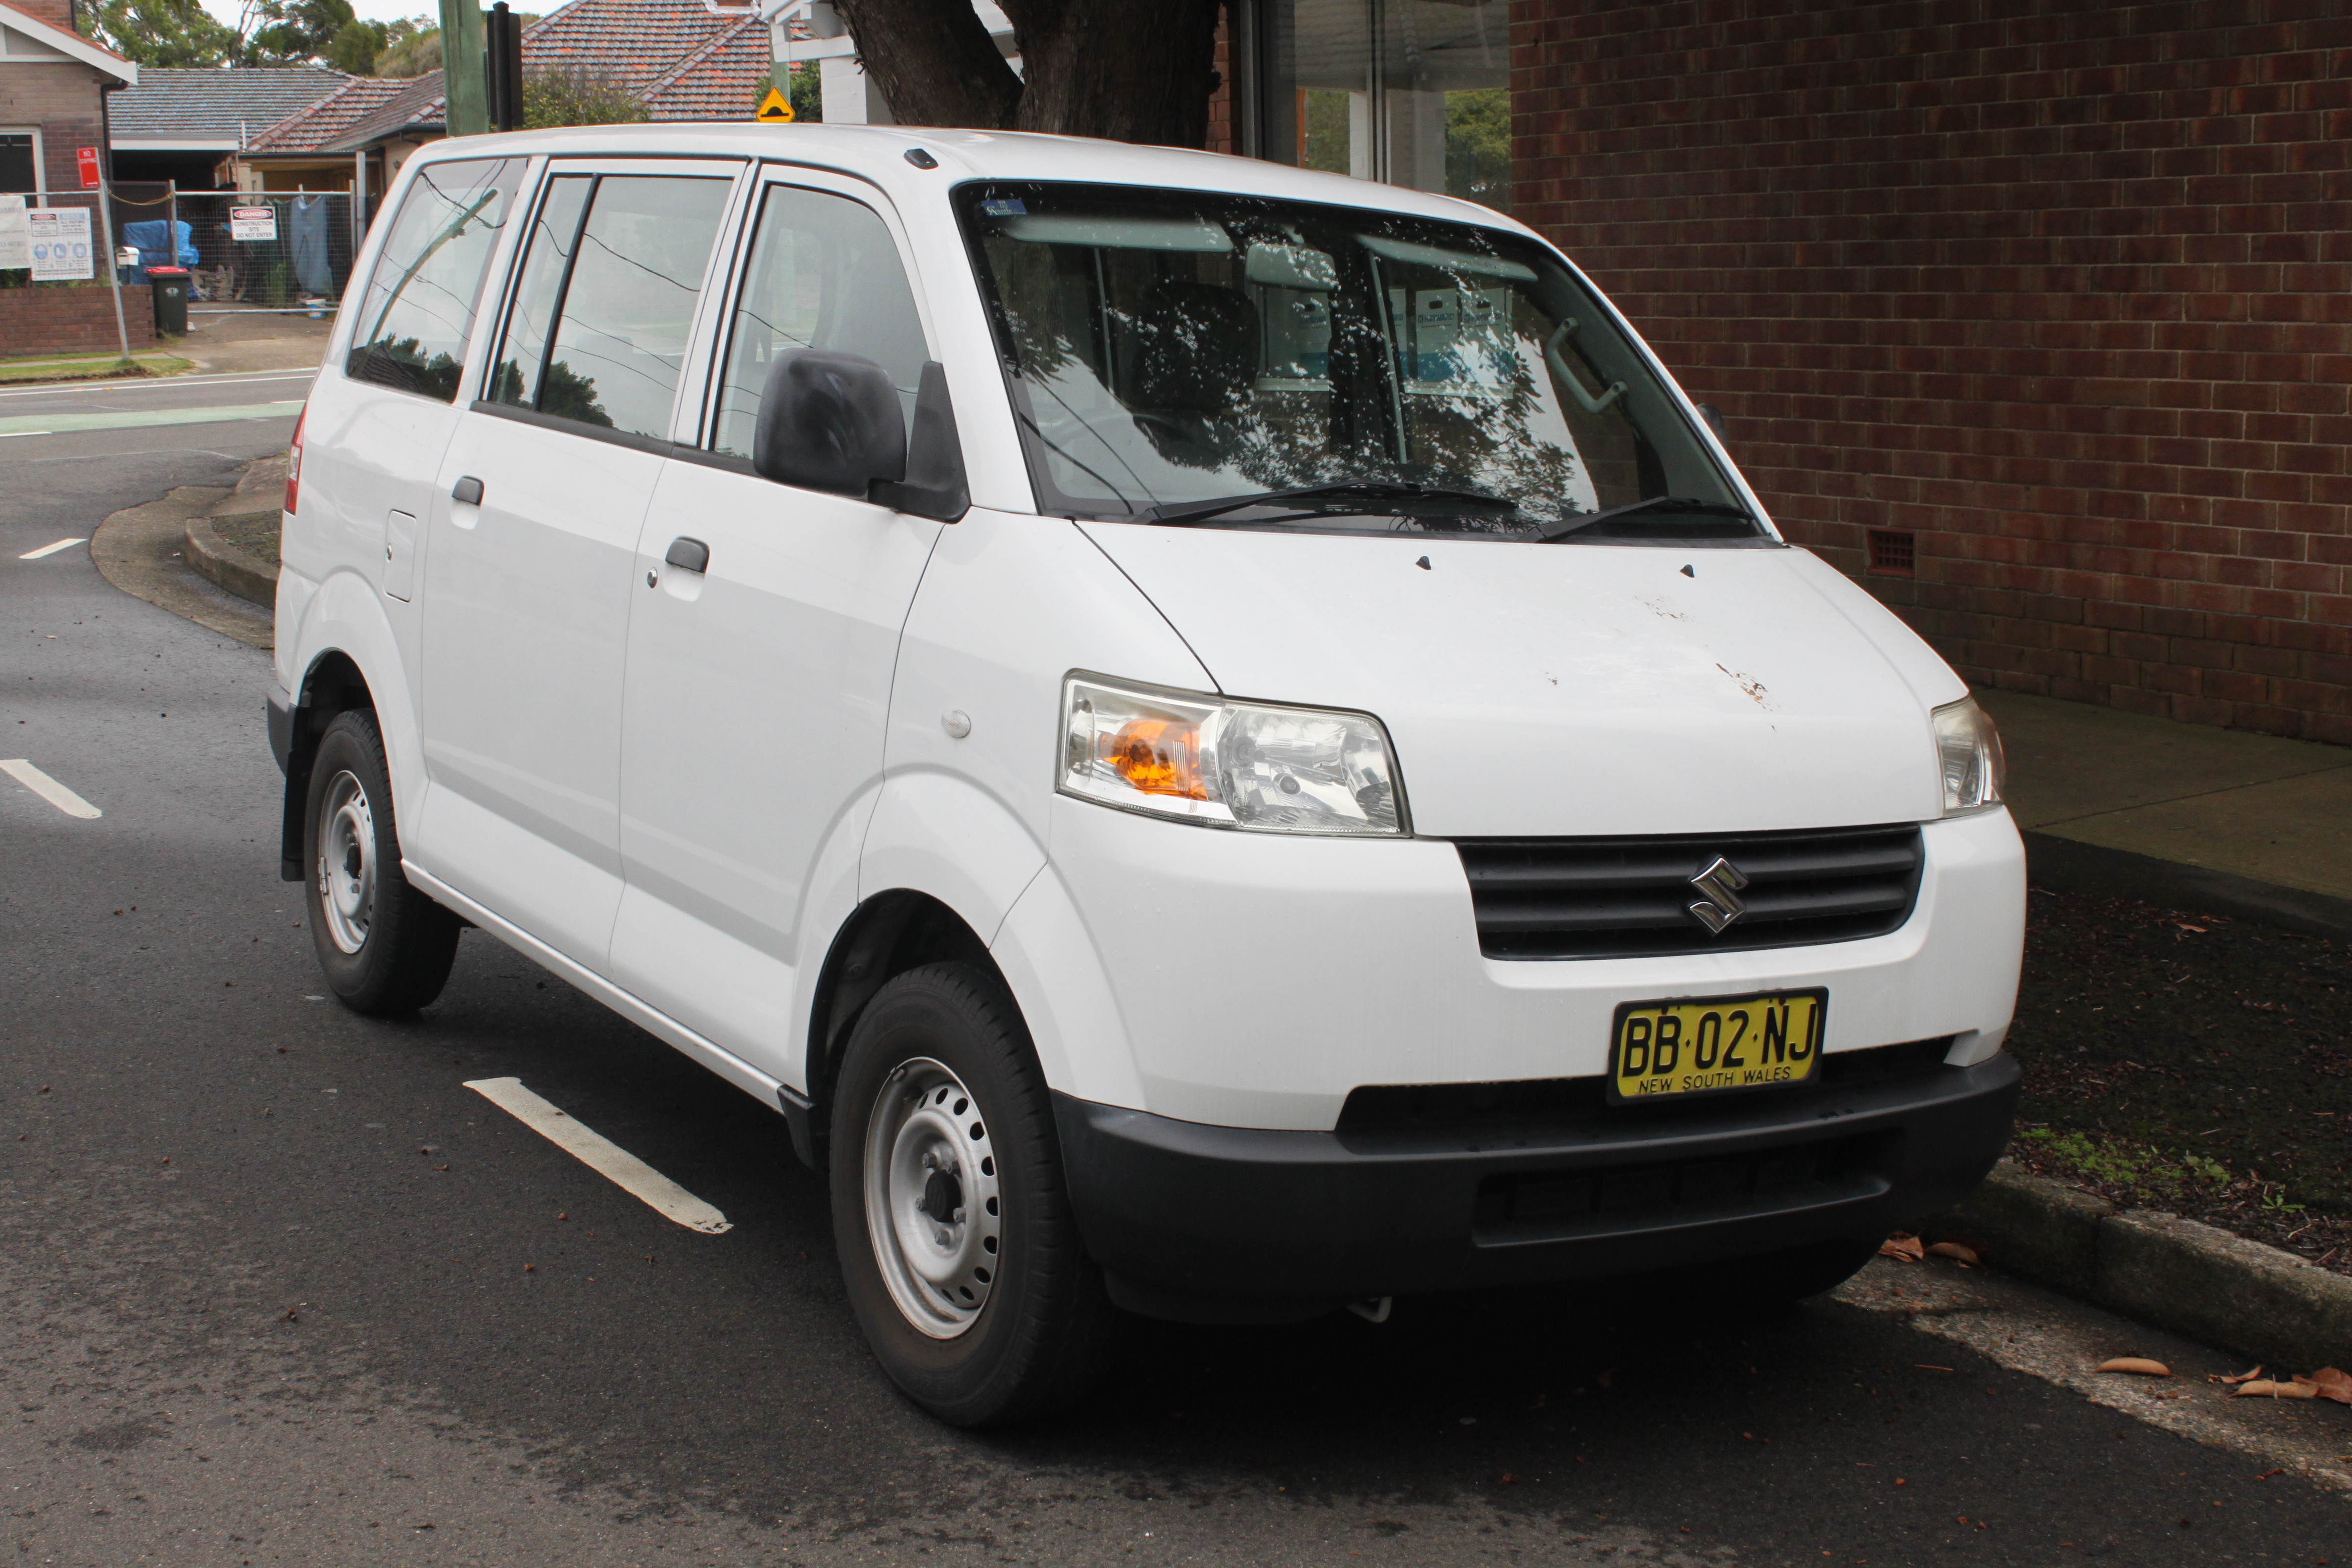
148	235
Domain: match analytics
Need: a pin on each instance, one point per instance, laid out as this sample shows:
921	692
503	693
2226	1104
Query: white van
1222	741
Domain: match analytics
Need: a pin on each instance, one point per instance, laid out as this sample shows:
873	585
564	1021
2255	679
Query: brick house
53	83
683	59
2033	315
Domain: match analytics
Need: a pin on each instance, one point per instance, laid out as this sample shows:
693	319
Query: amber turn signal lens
1158	757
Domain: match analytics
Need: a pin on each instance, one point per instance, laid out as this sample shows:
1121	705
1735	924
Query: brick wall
56	319
57	14
2061	289
62	100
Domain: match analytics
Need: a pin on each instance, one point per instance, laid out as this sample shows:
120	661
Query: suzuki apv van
1221	742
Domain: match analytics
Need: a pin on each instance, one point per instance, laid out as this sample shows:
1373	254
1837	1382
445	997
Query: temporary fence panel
267	248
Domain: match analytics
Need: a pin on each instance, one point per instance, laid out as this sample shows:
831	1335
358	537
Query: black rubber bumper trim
281	726
1206	1218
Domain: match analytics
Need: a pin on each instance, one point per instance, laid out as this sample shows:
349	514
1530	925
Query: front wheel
385	947
957	1242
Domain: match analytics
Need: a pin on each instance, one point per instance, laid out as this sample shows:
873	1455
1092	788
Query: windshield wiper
1365	490
1681	504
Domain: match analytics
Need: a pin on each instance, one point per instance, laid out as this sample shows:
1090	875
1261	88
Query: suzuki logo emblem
1719	903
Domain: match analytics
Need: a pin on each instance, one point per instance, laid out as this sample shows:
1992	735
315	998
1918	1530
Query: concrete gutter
2231	1293
140	549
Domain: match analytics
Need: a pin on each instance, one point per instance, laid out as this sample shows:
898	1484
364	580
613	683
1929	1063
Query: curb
242	573
2070	866
2177	1274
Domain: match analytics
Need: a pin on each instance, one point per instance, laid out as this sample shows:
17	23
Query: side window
825	274
601	321
416	314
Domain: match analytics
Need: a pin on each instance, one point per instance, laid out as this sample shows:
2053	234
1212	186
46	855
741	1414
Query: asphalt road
275	1288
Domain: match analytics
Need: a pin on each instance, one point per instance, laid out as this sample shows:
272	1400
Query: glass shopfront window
1411	93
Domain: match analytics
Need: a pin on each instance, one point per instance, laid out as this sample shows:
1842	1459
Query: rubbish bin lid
167	272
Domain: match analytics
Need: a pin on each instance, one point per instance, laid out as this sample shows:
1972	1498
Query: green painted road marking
59	424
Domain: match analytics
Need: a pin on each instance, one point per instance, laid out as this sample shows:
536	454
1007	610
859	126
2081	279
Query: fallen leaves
1905	1247
2138	1364
2327	1382
2240	1377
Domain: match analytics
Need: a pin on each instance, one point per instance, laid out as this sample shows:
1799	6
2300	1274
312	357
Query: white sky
374	10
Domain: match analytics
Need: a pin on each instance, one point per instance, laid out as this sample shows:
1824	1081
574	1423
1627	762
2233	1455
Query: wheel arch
887	935
347	656
333	684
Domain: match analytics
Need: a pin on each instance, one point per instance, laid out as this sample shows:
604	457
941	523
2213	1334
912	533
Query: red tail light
294	462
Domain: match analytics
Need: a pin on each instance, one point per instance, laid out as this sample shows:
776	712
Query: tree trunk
933	62
1132	70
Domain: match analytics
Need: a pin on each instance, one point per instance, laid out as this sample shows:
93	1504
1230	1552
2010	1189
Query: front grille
1532	1205
1537	1108
1620	898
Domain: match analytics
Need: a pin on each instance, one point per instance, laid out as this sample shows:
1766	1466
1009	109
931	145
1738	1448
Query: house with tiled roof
53	88
178	124
683	59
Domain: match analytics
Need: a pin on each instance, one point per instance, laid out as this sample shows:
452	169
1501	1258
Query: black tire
385	947
1039	1334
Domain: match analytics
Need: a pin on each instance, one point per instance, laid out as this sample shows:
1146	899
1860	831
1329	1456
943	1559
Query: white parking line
599	1153
48	788
51	548
12	435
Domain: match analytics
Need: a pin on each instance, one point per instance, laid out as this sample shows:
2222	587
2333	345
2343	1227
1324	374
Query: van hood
1555	690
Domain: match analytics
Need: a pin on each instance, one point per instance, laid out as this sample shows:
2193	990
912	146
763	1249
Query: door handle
687	554
467	489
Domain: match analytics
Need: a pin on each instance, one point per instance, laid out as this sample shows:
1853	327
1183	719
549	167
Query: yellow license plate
1662	1048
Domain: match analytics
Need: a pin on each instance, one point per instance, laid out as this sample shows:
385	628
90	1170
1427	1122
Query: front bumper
1224	1224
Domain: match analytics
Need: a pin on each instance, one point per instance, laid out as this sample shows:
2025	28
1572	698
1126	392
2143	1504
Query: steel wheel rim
933	1207
347	861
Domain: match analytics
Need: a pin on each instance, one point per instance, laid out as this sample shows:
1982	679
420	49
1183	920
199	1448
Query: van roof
877	153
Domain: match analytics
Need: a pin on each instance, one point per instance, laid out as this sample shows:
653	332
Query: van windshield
1352	369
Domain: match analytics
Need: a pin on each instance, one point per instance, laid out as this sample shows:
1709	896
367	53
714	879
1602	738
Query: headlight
1969	748
1227	765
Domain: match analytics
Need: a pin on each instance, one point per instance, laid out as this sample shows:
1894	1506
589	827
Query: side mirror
832	422
828	422
934	486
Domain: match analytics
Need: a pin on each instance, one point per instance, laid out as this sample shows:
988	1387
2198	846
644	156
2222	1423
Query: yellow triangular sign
774	109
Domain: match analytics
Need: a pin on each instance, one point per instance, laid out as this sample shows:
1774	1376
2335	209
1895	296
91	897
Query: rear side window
606	304
824	275
417	312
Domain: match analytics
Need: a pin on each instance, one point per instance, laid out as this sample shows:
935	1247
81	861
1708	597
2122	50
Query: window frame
486	296
692	367
695	440
40	191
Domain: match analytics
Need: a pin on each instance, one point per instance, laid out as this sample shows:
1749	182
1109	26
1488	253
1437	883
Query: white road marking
48	788
51	548
12	435
53	388
599	1154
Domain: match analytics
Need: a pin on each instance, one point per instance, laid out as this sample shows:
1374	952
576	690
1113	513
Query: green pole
461	66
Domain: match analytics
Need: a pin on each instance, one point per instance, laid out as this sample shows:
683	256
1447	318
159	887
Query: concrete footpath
2218	819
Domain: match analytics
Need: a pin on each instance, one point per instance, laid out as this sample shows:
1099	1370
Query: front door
534	524
759	685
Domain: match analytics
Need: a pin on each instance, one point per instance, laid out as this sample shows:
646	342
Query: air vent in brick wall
1892	552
